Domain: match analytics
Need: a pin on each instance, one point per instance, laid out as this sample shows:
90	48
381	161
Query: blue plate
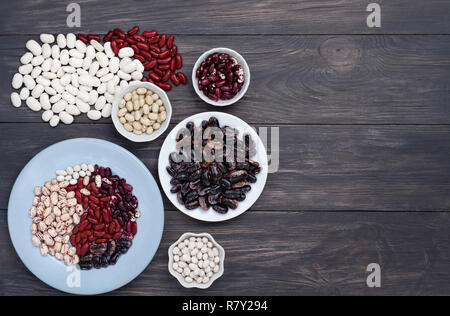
123	163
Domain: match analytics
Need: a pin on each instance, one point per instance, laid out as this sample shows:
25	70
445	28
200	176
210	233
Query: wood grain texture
306	79
230	17
387	168
287	253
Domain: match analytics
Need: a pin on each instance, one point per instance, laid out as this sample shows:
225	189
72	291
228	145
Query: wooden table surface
364	140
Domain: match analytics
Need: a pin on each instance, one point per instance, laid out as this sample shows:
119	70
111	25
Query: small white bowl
144	137
214	277
241	61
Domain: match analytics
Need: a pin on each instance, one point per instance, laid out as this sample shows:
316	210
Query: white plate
257	188
123	163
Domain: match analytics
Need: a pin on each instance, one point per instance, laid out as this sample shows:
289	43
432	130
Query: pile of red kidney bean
220	77
108	225
157	52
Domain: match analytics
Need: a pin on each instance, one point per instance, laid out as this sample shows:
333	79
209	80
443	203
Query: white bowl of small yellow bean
141	112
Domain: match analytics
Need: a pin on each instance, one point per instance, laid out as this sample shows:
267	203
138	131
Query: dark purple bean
176	188
222	209
202	202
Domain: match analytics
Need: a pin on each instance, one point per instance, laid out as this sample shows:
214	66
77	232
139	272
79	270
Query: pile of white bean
72	174
196	259
66	78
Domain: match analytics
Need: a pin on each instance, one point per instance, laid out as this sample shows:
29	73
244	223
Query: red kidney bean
115	48
165	60
170	40
150	33
166	76
164	67
165	86
117	235
153	40
179	61
173	65
108	36
164	54
78	196
155	48
154	76
158	72
175	79
134	228
84	249
85	203
144	78
182	77
143	46
135	49
173	50
93	37
150	65
119	33
130	40
99	227
71	188
133	30
162	40
154	54
117	40
146	55
139	38
100	241
94	199
82	38
139	57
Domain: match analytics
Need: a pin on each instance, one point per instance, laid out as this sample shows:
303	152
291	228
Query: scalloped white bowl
194	284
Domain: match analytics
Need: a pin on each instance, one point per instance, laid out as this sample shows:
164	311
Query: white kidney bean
37	91
15	100
17	81
55	51
94	115
33	104
36	72
54	121
65	117
47	115
70	40
61	40
126	52
25	69
26	58
34	47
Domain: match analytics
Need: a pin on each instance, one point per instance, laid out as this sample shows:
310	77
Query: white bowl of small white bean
156	128
198	276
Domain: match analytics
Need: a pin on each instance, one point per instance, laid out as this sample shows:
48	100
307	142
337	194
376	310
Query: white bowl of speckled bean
221	76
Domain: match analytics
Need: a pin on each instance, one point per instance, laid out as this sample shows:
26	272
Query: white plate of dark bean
213	166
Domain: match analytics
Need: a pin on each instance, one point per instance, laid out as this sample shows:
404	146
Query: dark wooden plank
327	253
307	79
230	17
387	168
